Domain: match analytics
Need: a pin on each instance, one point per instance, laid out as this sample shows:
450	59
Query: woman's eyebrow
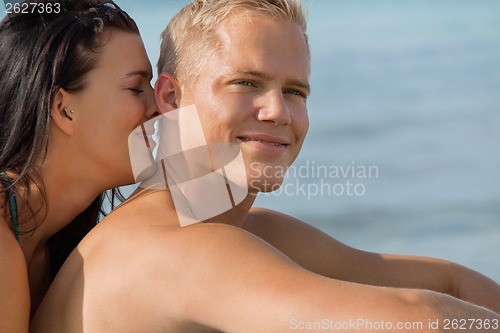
143	73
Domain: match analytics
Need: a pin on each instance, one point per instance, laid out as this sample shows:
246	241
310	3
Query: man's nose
274	109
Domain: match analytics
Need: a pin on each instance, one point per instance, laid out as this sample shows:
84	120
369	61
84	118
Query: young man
244	64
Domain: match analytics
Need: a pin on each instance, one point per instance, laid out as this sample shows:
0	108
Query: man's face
252	91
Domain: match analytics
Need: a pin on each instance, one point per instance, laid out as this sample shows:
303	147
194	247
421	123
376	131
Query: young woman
75	83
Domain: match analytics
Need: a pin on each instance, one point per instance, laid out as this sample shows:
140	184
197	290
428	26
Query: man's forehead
238	43
250	22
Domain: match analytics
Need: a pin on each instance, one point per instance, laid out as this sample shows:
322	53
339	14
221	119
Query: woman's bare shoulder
8	244
14	289
11	254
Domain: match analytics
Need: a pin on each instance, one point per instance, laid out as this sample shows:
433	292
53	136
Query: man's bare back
159	277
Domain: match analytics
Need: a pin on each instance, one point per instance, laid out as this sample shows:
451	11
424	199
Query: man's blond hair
189	38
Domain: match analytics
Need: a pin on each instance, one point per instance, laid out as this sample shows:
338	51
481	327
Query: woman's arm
14	287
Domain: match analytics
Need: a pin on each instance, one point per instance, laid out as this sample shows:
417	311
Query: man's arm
320	253
14	288
234	282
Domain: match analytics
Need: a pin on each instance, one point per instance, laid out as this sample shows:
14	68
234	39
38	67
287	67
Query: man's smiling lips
268	143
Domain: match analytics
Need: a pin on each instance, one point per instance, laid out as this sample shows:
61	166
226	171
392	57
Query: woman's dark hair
41	52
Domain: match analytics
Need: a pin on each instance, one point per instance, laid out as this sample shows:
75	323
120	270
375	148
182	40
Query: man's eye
245	83
295	92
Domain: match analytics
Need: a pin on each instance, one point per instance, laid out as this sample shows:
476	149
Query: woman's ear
167	93
62	115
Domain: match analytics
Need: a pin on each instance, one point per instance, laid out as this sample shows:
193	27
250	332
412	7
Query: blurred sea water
410	89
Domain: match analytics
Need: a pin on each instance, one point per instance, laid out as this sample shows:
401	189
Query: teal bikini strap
12	205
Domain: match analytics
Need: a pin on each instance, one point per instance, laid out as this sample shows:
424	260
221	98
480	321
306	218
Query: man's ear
61	114
167	93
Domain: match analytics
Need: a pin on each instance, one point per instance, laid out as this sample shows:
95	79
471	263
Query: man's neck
237	215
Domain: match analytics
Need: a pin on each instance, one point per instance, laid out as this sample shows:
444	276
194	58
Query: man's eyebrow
142	73
253	73
297	83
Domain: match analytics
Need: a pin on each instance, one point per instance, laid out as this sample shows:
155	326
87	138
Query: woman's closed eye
136	91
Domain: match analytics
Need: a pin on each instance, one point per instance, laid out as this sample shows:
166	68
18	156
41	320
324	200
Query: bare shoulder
283	231
140	254
217	276
14	289
11	255
268	223
305	244
157	278
164	273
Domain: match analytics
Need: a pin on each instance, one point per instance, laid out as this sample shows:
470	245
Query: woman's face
116	99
